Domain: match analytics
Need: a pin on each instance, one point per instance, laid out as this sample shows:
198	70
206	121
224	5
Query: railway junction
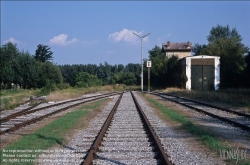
129	129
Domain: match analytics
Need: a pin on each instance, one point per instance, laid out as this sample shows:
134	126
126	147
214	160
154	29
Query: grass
70	93
207	138
51	134
234	97
13	98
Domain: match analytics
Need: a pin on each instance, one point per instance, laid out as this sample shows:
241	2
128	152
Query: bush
63	86
49	87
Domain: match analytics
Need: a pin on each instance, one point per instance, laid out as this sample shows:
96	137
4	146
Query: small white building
202	71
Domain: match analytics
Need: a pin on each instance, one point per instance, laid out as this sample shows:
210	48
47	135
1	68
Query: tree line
38	70
26	70
104	74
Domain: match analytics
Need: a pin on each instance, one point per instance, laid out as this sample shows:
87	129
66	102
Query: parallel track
239	119
32	110
126	137
16	121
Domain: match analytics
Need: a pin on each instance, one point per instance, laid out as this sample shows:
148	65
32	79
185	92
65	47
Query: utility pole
141	58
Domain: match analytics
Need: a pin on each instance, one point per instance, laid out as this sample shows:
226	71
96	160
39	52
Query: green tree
43	53
199	49
84	79
120	67
25	70
226	43
129	78
8	54
159	68
48	73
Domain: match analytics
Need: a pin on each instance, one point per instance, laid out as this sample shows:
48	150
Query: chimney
188	45
168	44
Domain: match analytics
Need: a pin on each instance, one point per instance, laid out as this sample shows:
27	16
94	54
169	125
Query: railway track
235	118
127	131
126	137
33	114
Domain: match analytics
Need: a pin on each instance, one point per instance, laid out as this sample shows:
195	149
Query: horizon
97	32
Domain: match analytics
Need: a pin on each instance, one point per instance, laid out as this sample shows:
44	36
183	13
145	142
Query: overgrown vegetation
13	98
206	137
52	133
235	97
77	92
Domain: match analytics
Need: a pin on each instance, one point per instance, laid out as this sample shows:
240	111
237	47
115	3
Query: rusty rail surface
31	121
163	156
91	154
27	111
242	126
206	104
97	142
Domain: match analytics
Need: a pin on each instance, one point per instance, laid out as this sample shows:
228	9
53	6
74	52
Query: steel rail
91	153
26	111
163	156
242	126
210	105
28	122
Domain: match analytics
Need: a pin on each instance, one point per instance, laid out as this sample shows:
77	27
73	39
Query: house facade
181	49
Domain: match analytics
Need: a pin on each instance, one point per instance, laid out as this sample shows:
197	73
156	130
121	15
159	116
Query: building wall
180	54
187	62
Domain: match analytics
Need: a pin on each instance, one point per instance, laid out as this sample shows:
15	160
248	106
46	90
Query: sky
94	32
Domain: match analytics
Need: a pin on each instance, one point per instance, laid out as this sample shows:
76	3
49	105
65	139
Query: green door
196	77
202	77
208	77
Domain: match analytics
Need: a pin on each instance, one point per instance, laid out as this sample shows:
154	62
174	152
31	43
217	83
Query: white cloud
126	35
89	43
61	40
12	40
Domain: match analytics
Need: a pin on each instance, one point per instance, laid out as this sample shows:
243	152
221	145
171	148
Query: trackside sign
149	64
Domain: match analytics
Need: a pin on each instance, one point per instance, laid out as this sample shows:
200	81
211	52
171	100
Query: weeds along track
126	137
235	118
36	113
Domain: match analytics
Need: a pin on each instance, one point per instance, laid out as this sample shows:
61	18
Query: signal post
149	66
